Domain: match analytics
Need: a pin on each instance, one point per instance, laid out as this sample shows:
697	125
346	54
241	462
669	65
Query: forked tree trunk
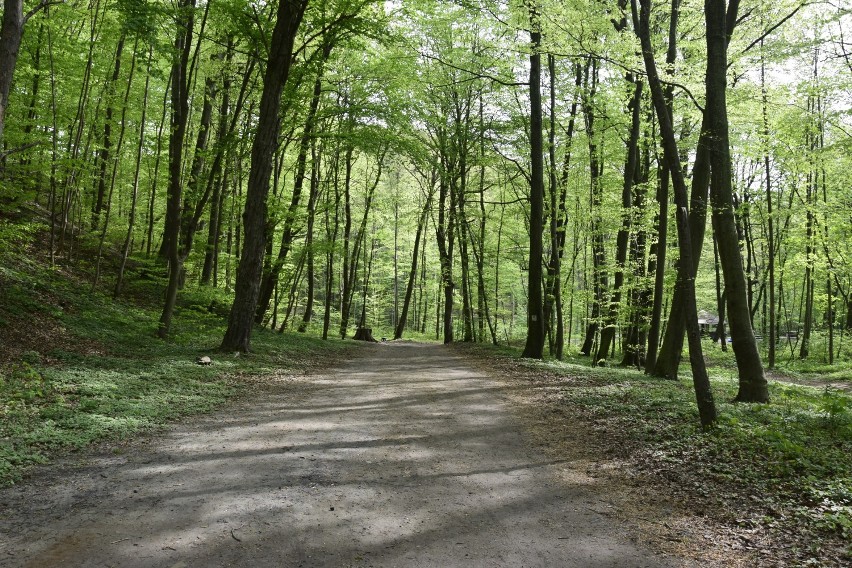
701	382
752	383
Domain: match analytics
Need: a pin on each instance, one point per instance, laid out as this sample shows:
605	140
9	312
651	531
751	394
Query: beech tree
247	287
396	167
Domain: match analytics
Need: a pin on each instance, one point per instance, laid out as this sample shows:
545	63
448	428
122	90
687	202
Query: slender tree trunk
701	382
54	147
309	240
360	240
346	278
114	169
623	238
421	225
599	276
633	345
331	235
534	347
11	32
195	201
152	199
215	177
720	298
104	155
128	239
180	115
462	231
445	238
773	324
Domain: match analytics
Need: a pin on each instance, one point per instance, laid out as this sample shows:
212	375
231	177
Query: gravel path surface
404	456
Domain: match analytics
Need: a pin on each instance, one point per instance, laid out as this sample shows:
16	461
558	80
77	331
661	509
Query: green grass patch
108	376
788	462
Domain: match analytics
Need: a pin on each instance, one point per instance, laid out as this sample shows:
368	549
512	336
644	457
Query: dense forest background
466	171
627	190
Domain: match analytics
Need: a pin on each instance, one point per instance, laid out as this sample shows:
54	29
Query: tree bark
247	287
104	154
686	280
534	347
351	268
599	276
135	192
421	224
752	383
11	32
623	237
180	115
271	275
313	196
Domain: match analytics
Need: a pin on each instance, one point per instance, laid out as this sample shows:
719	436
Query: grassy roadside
777	475
77	367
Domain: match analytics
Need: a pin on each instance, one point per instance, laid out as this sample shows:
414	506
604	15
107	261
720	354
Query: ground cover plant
778	475
78	367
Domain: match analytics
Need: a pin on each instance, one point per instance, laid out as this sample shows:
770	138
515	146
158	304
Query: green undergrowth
101	374
785	465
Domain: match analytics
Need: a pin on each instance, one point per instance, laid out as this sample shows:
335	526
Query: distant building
707	324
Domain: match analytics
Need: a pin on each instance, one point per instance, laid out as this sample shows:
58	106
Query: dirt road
404	456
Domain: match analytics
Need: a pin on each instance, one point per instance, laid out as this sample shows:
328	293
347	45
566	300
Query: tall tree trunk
752	383
444	231
313	196
104	155
351	270
421	224
599	275
559	217
152	198
238	335
135	191
346	278
270	276
332	229
75	135
195	199
482	293
180	115
623	237
773	325
633	345
114	169
534	347
11	32
701	382
720	297
215	179
462	232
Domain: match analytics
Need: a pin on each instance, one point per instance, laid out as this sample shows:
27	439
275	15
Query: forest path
403	456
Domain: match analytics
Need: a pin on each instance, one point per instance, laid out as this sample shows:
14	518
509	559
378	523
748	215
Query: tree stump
364	334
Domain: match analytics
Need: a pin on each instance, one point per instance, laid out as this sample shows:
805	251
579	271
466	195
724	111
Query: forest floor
678	500
405	455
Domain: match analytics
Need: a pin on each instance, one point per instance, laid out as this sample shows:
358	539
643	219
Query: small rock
204	360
